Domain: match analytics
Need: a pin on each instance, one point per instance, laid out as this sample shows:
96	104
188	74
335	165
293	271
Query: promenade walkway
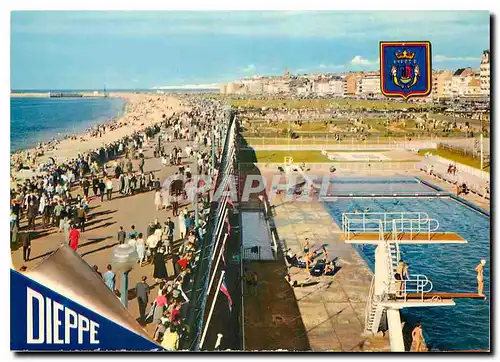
105	218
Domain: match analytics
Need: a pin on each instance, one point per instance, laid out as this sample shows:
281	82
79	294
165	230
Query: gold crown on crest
405	55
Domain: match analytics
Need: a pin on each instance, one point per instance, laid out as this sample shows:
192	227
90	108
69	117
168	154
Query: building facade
350	85
368	86
460	81
484	73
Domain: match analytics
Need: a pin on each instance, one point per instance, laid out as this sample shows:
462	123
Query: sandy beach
142	110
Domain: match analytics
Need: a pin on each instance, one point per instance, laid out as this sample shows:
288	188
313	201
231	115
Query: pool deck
475	199
333	310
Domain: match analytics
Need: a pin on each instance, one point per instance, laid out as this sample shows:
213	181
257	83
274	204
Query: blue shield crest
405	69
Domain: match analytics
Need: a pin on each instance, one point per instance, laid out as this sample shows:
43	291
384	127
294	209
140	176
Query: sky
144	49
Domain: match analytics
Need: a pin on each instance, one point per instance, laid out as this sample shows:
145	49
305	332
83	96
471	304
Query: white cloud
249	69
319	68
359	60
444	58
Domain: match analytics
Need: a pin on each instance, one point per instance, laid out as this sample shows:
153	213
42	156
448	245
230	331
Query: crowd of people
50	195
59	200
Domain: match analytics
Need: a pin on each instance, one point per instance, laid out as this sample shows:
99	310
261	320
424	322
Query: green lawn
323	103
456	156
279	156
250	156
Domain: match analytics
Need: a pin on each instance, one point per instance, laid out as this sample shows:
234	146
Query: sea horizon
117	90
40	119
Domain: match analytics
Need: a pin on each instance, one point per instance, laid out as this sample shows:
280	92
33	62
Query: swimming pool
449	266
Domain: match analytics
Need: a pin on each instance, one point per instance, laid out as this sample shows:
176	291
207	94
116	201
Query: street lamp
123	259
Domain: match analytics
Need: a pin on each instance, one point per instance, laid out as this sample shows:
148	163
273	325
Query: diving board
405	238
445	295
431	302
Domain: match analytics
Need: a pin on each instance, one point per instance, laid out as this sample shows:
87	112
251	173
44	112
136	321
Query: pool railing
412	222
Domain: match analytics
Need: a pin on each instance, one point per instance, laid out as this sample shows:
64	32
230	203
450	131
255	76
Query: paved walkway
100	236
333	310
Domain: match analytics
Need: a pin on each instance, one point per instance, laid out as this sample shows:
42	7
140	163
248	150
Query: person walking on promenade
169	230
126	184
109	278
86	187
160	270
417	337
158	200
142	292
175	203
121	183
141	163
182	225
57	214
122	235
95	185
142	182
81	217
129	166
25	239
74	238
31	214
66	230
480	276
140	248
109	188
102	189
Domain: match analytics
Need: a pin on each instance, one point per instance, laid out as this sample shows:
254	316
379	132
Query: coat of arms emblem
405	69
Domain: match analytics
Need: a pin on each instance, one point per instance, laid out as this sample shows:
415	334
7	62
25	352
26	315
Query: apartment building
460	81
368	86
484	73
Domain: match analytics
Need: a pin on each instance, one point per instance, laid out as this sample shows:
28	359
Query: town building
350	81
484	73
368	86
474	87
441	84
460	81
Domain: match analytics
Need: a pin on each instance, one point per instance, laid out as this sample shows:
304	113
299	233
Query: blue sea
40	119
450	267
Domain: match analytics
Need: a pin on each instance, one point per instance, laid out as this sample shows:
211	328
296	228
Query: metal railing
369	315
275	243
412	222
252	253
419	284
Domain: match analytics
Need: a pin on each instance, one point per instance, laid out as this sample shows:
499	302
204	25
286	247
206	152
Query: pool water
377	186
450	267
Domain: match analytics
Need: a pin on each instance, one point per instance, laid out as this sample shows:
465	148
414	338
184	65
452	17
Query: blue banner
43	320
